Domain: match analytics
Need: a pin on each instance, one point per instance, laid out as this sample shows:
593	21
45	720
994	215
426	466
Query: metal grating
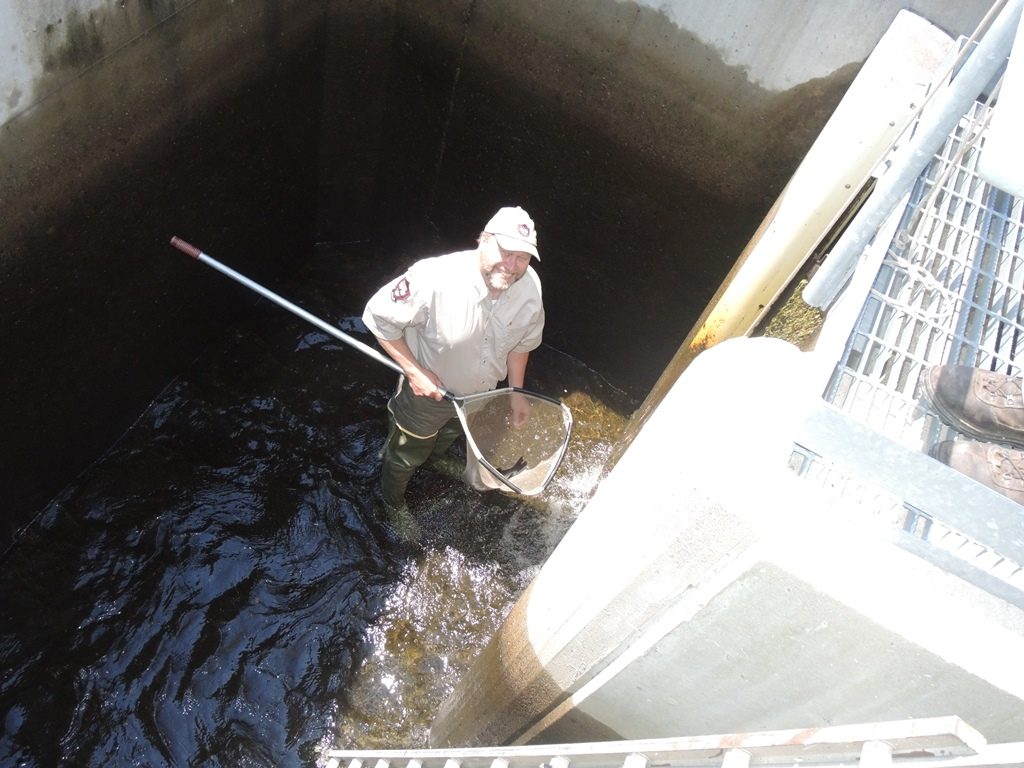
856	496
948	290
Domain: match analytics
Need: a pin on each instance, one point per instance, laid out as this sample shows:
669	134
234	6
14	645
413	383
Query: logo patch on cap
524	230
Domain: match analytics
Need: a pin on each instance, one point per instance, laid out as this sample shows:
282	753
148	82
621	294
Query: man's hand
425	383
422	381
520	410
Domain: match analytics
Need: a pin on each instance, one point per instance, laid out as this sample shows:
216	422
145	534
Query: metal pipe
936	124
191	250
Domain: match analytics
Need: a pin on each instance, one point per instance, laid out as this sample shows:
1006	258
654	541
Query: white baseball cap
514	230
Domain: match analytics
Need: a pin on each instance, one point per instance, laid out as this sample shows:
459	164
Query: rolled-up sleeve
534	334
524	315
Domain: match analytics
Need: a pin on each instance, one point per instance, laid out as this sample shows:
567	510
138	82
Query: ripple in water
217	590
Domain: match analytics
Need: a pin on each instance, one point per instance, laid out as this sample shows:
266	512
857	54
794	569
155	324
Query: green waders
405	450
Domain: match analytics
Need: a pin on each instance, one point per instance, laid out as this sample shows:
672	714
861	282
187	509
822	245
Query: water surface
218	588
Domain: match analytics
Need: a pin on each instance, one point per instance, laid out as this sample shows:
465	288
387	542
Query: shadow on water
217	590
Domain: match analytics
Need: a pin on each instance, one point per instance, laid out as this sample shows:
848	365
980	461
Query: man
460	323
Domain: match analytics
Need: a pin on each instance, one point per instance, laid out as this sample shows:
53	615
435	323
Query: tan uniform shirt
443	308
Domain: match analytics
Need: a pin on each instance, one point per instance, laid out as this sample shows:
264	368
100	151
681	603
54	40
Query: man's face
501	268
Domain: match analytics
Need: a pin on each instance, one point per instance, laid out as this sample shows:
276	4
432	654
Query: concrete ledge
707	589
918	479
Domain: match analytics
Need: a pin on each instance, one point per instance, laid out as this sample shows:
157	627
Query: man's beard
499	280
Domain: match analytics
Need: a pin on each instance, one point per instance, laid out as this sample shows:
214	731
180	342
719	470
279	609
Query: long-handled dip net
516	453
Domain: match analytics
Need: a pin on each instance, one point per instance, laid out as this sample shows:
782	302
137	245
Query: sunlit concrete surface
735	597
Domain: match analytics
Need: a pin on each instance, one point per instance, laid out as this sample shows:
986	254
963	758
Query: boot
402	521
999	468
978	403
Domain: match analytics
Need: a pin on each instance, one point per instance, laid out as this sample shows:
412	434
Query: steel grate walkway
948	289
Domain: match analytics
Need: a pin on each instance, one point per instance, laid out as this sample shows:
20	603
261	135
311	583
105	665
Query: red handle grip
186	248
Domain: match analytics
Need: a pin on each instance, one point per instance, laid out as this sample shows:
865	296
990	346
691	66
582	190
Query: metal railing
922	743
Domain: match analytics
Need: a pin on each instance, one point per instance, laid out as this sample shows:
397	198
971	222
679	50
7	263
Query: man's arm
423	381
516	364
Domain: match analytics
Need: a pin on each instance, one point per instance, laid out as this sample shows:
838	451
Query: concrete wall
781	44
139	121
647	141
647	151
46	42
42	38
729	597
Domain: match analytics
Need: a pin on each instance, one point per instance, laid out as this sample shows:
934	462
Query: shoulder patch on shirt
401	291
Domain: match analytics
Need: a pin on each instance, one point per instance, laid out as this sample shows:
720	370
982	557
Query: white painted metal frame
937	742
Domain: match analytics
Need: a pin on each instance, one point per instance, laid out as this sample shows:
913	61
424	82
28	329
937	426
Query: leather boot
997	467
978	403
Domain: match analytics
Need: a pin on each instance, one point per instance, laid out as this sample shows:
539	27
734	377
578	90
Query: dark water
217	589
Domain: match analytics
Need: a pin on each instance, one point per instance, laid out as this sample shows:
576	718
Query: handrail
926	742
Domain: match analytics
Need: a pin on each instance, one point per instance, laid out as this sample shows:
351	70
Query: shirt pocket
510	333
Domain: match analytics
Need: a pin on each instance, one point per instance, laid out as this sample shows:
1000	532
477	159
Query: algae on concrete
794	320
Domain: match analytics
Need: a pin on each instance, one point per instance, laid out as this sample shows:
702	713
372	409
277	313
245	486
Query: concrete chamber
647	139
